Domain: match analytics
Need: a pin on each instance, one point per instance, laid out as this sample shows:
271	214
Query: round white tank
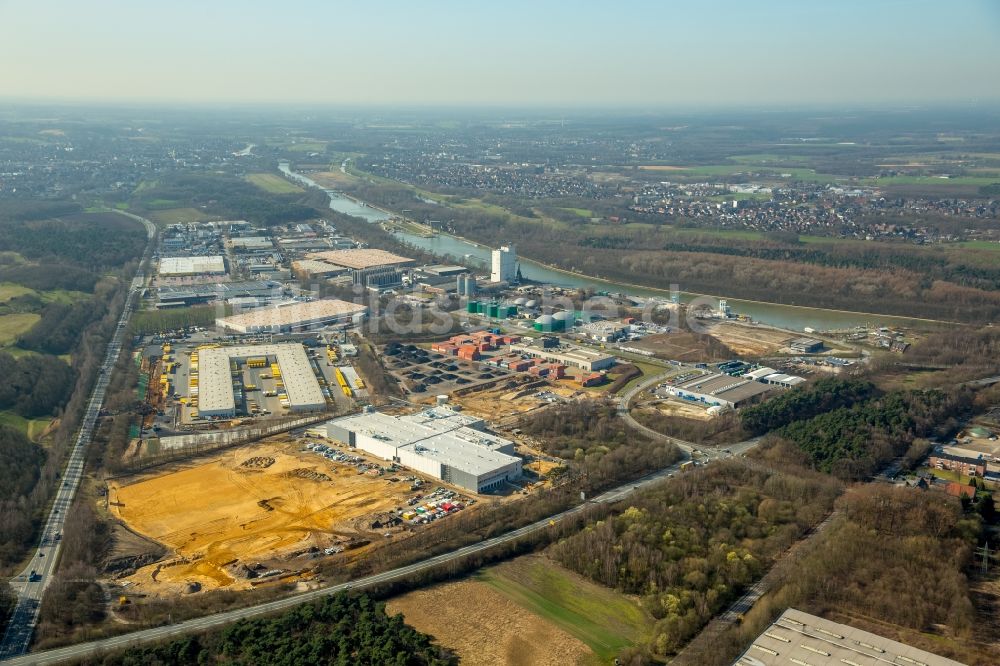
442	399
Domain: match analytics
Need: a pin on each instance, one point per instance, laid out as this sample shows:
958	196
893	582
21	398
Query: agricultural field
526	611
273	183
217	513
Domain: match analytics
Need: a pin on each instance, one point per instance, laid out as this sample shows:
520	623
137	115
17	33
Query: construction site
261	514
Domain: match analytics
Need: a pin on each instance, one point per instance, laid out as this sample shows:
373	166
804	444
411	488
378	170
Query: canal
790	317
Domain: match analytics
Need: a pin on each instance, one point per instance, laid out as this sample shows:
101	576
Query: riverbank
780	315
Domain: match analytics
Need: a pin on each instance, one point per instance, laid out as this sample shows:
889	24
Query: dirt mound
258	462
306	473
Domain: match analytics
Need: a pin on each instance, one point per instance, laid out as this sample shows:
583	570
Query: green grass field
32	428
8	290
273	183
579	212
181	215
13	325
603	619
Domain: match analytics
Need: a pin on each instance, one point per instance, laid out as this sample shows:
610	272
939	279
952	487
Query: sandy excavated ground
486	628
217	511
750	340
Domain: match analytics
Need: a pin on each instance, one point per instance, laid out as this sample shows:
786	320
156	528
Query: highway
30	583
83	650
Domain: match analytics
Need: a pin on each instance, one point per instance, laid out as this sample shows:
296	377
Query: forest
224	195
895	563
689	546
854	442
88	241
598	444
34	386
340	630
804	403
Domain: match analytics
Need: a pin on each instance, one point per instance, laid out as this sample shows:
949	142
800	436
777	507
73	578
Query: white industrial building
295	316
604	331
577	357
801	638
504	268
177	266
438	442
216	395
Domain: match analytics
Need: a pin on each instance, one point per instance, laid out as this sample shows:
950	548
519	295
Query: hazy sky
503	52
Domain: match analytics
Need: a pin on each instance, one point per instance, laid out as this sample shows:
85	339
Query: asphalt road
30	583
83	650
692	449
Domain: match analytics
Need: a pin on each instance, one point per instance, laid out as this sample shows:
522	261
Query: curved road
30	583
692	449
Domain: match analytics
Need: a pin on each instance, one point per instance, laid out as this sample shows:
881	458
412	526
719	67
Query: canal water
783	316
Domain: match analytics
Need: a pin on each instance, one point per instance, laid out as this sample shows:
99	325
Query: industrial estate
450	369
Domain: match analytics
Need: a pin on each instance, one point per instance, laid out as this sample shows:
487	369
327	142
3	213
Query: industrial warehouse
289	366
179	266
296	316
361	259
438	442
718	389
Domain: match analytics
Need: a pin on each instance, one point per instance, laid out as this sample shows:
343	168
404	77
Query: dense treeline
20	459
47	277
960	346
159	321
91	241
339	630
691	545
224	195
854	442
34	385
897	556
591	435
804	403
20	468
20	517
59	328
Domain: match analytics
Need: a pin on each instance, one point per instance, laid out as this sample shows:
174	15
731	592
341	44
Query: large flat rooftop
442	435
216	381
798	638
359	259
213	264
295	315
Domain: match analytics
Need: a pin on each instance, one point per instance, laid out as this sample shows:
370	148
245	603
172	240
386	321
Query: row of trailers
346	376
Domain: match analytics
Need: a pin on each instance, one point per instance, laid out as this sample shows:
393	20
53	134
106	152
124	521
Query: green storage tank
472	307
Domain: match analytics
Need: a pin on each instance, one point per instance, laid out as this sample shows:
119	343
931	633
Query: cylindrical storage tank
544	323
520	301
472	307
531	304
442	399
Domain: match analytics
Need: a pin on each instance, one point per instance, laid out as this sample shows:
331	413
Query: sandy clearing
486	628
215	512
